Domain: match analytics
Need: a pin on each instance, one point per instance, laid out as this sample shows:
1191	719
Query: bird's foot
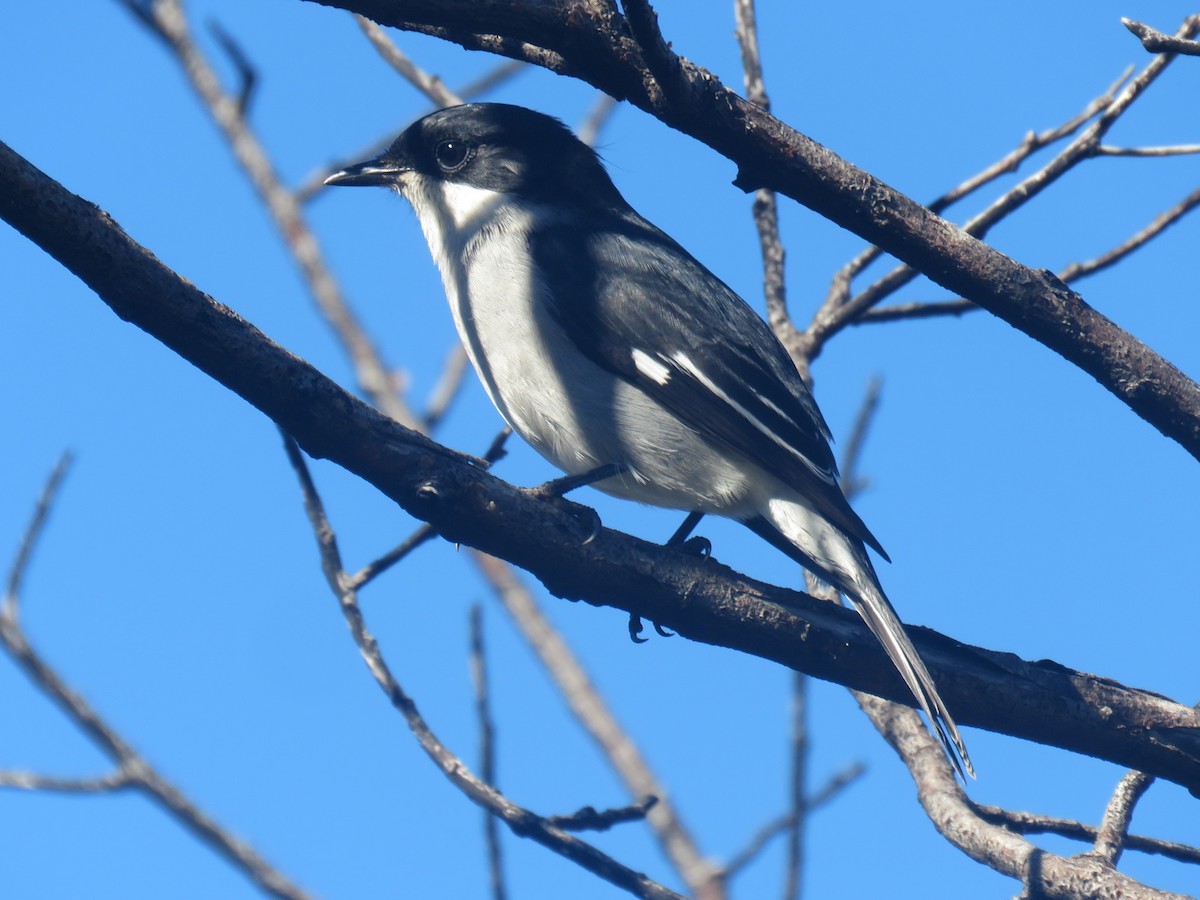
693	546
635	629
555	489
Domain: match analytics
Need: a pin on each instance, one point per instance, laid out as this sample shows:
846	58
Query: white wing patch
651	367
688	366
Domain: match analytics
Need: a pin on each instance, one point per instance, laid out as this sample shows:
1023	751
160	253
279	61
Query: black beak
378	171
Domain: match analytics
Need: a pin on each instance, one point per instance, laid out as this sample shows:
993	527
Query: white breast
574	413
477	238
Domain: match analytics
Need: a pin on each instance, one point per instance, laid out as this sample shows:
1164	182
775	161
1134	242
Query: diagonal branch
1157	42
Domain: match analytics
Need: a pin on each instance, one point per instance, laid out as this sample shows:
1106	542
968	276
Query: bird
622	359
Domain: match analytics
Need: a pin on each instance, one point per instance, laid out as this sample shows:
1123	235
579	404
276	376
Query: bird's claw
635	629
697	546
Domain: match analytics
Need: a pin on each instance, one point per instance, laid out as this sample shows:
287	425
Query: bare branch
373	377
1175	150
503	71
132	769
1044	874
1161	222
1031	823
1157	42
589	129
839	290
247	74
588	706
1114	827
590	819
841	779
429	85
10	605
839	310
852	482
1072	273
373	570
797	786
487	749
522	822
766	206
33	781
447	388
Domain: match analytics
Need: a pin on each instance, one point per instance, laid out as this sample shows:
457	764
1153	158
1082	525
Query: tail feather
881	618
843	562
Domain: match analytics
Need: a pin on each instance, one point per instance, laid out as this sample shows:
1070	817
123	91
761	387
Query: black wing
706	355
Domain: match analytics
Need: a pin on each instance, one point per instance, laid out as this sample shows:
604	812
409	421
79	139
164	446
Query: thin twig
522	822
793	882
503	71
765	210
368	573
373	376
33	781
839	310
840	780
1043	873
1070	274
1157	42
247	74
132	769
595	120
852	483
1173	150
934	310
766	207
10	606
588	706
446	389
1161	222
487	749
429	85
839	290
1114	827
591	819
1034	823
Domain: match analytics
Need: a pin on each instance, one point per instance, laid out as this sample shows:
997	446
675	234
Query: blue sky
178	587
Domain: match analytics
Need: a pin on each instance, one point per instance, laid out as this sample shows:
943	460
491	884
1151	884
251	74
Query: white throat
452	215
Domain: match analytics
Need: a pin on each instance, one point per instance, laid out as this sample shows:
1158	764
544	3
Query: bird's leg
700	546
555	488
558	486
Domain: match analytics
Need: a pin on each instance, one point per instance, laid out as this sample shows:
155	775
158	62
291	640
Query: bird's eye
452	155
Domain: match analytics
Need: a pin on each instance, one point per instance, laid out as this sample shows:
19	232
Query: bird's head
491	147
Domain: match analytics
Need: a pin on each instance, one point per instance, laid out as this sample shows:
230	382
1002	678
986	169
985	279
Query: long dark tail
862	587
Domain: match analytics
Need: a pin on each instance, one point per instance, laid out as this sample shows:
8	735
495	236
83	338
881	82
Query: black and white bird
603	343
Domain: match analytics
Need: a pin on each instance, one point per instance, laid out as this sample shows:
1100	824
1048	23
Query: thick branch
701	600
590	40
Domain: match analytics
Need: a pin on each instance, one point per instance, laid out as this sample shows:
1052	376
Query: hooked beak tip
371	172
